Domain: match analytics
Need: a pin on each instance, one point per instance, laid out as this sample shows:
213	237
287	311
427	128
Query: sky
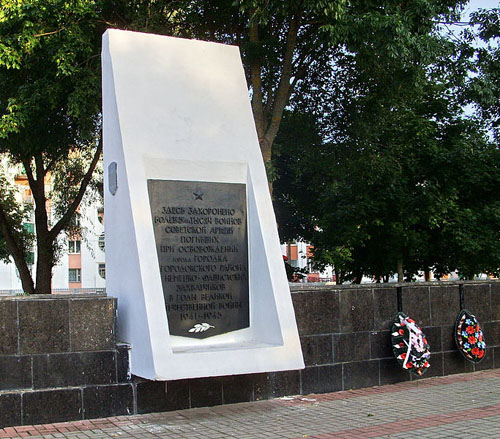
481	4
472	6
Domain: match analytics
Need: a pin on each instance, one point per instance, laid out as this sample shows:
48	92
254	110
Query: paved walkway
466	405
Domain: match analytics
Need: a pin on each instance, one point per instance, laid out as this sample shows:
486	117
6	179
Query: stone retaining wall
345	336
59	359
345	332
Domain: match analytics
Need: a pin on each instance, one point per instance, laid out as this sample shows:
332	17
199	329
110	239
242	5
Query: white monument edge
178	109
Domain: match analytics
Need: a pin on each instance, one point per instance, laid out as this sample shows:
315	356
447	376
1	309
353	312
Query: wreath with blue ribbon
469	337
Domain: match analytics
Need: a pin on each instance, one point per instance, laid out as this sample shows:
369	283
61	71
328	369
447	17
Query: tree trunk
44	263
17	254
45	254
358	276
401	274
266	149
427	274
268	117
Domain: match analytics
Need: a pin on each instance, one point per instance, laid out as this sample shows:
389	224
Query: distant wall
59	359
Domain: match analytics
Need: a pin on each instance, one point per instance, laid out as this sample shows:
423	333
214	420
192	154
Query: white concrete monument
192	250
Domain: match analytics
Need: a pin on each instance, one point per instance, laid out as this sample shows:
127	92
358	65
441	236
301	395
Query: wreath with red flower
469	337
409	345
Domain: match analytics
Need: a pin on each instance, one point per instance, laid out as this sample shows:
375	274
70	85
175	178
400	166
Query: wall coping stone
322	286
58	296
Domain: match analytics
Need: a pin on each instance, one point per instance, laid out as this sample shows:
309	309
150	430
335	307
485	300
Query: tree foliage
388	175
280	42
49	114
17	214
483	87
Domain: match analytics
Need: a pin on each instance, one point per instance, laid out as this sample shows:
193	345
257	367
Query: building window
100	242
102	270
74	246
75	275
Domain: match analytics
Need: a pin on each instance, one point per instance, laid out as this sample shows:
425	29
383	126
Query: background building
81	262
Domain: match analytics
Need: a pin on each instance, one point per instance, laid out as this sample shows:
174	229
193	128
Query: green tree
483	87
469	240
389	188
49	115
281	42
286	43
14	232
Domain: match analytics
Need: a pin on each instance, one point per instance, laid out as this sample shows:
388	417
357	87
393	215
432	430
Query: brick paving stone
432	408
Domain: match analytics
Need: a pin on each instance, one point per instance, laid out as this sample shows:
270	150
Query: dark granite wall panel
385	307
160	396
496	357
495	301
8	327
317	313
356	310
50	406
275	384
205	392
74	369
55	324
491	332
260	386
478	301
448	338
436	368
317	349
103	401
237	388
487	362
361	374
391	372
321	379
43	326
93	324
416	304
434	337
380	344
445	304
10	409
454	362
15	372
354	346
122	363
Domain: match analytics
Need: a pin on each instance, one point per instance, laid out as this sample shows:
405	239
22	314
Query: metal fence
58	291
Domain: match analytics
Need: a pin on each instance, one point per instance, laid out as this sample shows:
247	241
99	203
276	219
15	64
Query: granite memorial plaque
200	231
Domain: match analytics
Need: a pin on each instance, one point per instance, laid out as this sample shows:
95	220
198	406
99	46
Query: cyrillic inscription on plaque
200	230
